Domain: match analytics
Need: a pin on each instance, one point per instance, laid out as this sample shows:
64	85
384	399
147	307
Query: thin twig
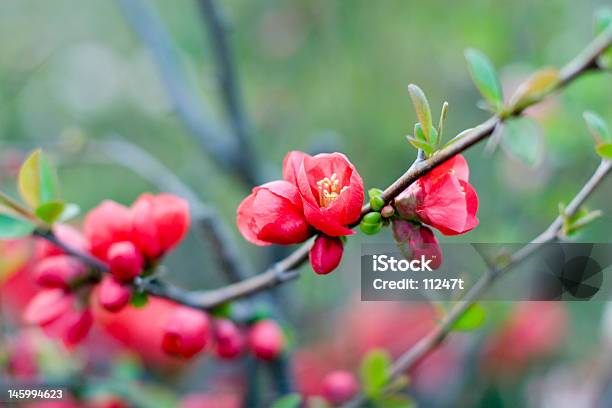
229	85
213	138
429	342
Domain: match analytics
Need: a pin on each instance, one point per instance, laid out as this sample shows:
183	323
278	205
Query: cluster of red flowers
318	194
442	199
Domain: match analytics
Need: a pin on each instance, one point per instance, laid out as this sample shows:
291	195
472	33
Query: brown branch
429	342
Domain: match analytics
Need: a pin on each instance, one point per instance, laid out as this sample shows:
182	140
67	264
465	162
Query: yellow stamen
329	190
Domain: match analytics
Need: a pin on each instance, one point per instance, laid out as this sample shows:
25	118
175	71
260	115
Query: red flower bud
229	341
339	387
186	332
331	190
47	306
106	224
58	271
59	315
160	223
112	294
326	254
442	198
125	260
415	241
272	214
266	340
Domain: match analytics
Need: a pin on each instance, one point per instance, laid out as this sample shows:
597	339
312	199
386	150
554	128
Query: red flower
339	387
330	187
326	254
58	271
443	198
415	241
58	313
186	332
229	342
106	224
266	340
160	222
272	214
112	294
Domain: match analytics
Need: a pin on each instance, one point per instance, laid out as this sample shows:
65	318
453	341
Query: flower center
329	190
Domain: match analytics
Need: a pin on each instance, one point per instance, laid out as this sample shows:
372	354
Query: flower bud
266	340
326	254
339	387
376	203
415	241
186	332
112	294
107	224
47	306
371	223
229	341
387	211
58	271
125	260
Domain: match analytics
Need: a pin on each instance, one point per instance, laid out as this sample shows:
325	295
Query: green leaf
224	310
37	181
419	144
139	299
442	120
12	226
48	180
534	88
421	106
485	78
28	180
51	211
288	401
471	319
375	371
604	150
394	401
522	139
597	127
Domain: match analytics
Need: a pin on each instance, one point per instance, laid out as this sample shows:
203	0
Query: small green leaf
51	211
419	144
139	299
222	311
28	180
442	120
12	226
288	401
597	127
485	78
37	181
523	140
534	88
48	180
375	371
460	136
471	319
605	150
421	106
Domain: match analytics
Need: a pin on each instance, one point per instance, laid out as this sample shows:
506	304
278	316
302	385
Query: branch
190	109
230	89
428	343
